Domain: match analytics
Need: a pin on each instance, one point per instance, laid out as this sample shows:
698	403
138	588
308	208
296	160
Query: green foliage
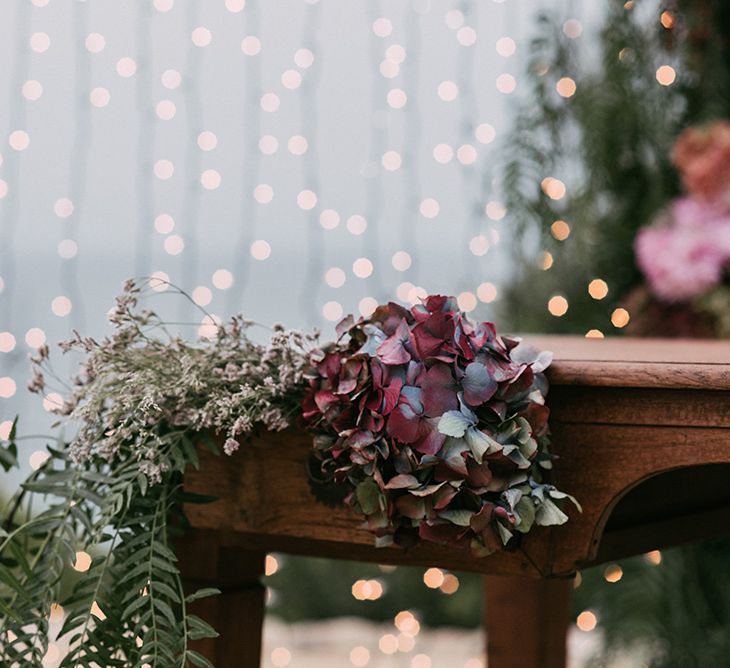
128	608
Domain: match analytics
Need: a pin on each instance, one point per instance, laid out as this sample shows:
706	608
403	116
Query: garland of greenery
434	427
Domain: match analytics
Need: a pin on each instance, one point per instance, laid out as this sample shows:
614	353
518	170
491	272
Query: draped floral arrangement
431	426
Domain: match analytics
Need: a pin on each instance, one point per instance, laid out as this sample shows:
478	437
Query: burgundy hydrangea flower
436	425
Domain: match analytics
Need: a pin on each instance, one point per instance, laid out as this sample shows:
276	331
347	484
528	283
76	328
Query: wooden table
642	428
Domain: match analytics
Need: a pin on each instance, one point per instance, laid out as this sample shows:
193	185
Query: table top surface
629	362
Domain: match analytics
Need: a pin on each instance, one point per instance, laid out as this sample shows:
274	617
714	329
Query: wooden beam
526	622
238	612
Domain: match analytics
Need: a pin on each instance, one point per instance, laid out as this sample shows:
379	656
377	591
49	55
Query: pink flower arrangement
702	156
435	426
687	252
685	255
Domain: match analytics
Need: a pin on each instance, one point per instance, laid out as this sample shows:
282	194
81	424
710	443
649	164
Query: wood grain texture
526	621
627	362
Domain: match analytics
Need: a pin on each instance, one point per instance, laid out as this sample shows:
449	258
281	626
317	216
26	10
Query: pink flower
702	156
685	256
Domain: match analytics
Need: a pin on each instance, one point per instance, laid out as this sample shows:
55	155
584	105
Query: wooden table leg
238	612
526	621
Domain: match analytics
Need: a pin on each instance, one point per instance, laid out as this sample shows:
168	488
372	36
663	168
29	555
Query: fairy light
566	87
433	578
598	288
359	656
271	565
421	661
666	75
654	558
406	622
83	562
594	334
577	580
56	614
554	188
558	306
37	459
586	621
667	19
545	260
406	643
7	387
487	292
7	342
613	573
560	230
281	657
388	644
620	318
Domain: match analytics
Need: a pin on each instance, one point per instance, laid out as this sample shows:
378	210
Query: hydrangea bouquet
436	426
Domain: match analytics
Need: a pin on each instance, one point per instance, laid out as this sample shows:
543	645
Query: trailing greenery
143	400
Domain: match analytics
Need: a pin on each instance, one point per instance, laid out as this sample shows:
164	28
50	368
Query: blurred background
302	159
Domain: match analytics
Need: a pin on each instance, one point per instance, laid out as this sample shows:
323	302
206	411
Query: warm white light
210	179
7	387
332	311
367	306
505	47
99	97
362	267
335	277
222	279
61	306
401	261
359	656
207	140
19	140
558	306
329	219
63	207
35	337
506	83
291	79
297	145
485	133
171	79
201	36
251	45
83	562
443	153
164	223
126	67
260	250
448	91
467	301
466	154
165	110
303	58
202	295
382	27
268	145
307	199
270	102
391	161
263	193
281	657
67	248
454	19
235	6
164	169
487	292
32	90
159	281
479	245
572	28
466	36
666	75
429	208
7	342
174	244
95	42
397	98
356	224
39	42
495	210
